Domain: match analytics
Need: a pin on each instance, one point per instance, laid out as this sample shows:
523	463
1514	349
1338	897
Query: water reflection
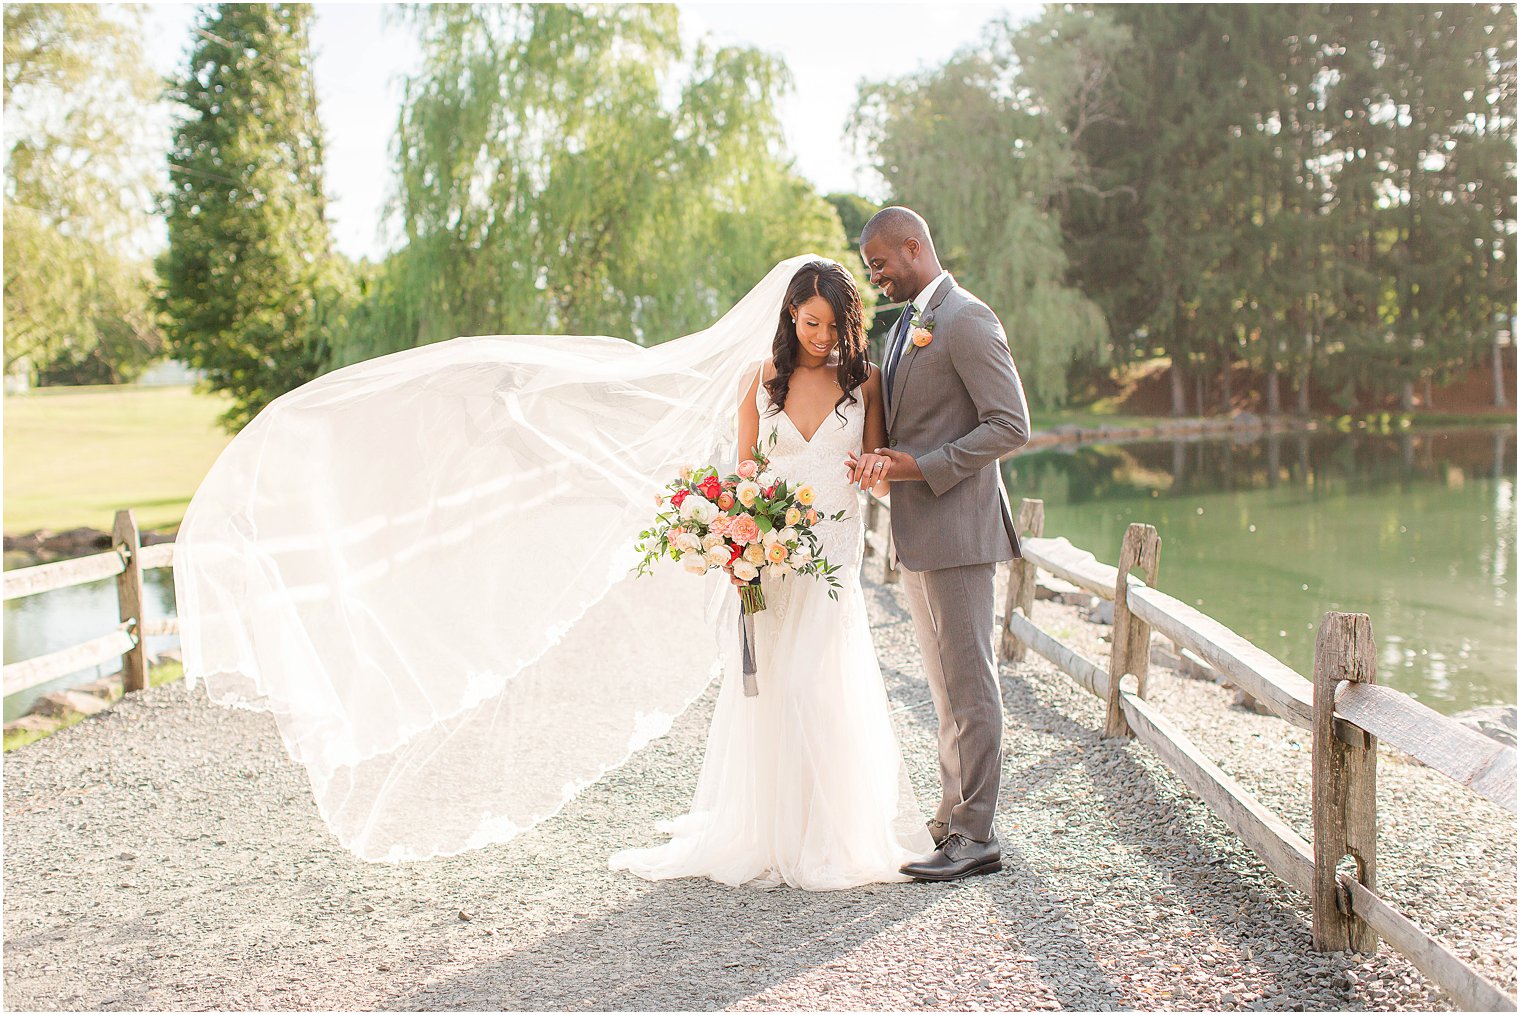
1415	528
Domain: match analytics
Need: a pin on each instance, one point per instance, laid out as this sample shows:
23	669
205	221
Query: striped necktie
894	353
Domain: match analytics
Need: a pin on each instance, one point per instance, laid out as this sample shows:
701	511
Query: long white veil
420	564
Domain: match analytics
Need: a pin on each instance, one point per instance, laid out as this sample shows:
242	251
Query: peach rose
776	553
921	337
793	516
748	468
754	553
747	492
719	526
806	496
811	517
725	500
744	529
745	571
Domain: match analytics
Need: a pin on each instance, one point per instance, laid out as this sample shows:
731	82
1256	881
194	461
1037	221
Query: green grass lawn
73	456
1086	416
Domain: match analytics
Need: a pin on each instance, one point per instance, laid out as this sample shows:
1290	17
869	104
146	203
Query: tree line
1317	196
1303	197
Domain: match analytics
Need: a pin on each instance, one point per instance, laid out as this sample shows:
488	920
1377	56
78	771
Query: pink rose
719	525
744	529
748	469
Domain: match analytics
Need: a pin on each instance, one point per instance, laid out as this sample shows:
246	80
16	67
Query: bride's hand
866	470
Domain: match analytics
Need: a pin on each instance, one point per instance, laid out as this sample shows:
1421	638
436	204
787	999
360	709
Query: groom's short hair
895	225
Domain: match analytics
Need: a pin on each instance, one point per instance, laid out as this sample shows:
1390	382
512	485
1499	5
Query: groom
955	406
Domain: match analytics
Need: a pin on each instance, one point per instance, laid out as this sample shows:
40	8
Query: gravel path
167	855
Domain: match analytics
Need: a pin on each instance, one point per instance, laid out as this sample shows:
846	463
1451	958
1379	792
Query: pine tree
251	286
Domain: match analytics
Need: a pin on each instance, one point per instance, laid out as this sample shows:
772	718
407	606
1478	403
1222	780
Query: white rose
745	571
770	538
799	557
716	556
765	479
788	535
687	542
777	570
699	509
746	491
711	540
694	563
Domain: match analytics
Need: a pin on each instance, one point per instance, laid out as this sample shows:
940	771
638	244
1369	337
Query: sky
362	52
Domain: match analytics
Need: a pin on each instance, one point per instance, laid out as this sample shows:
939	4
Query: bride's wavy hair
834	284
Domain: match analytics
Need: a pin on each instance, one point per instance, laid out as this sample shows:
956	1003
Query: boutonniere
920	329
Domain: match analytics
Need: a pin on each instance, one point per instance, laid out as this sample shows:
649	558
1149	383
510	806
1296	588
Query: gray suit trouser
952	612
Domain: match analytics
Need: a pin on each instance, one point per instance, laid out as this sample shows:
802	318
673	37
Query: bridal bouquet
741	524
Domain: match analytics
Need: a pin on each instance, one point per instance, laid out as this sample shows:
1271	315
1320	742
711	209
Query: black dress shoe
956	858
938	831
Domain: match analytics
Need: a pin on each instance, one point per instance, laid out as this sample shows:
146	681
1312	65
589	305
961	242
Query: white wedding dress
422	566
803	783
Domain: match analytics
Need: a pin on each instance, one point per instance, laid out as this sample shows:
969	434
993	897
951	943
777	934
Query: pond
1266	534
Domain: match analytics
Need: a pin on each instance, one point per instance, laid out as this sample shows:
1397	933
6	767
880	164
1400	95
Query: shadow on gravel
679	946
1227	890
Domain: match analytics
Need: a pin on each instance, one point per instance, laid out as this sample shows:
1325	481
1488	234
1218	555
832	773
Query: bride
803	783
422	566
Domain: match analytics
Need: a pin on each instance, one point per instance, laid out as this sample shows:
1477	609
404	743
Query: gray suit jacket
957	405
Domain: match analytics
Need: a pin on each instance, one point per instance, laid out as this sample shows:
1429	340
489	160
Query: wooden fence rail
1343	708
125	561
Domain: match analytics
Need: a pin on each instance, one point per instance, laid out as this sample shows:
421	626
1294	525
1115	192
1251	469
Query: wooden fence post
129	598
1344	792
1021	577
1130	651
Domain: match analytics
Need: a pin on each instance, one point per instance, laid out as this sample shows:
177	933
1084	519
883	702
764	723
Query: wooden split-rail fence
126	560
1342	707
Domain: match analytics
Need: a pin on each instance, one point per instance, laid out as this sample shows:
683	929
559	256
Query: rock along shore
166	854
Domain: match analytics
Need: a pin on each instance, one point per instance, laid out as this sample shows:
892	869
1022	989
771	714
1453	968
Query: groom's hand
901	466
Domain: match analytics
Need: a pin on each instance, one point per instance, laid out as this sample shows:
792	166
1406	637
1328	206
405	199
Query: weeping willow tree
571	169
78	196
984	148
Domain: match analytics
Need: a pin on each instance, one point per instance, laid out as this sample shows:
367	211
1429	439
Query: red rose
711	487
770	491
734	552
678	497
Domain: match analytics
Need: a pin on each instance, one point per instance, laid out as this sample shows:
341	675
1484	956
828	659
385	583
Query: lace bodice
820	463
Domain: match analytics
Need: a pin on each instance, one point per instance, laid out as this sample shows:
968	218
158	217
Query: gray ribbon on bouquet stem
747	641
